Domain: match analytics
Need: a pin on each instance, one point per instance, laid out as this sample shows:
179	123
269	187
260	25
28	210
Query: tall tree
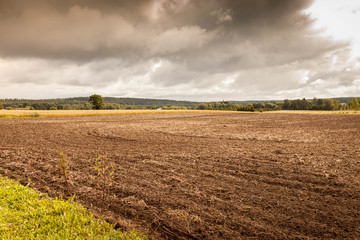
287	104
97	101
1	106
355	104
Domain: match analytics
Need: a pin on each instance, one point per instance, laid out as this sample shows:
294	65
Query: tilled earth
201	176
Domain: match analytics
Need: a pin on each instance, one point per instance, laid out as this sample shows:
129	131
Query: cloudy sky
180	49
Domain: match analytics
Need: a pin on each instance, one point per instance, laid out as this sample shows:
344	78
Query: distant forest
82	103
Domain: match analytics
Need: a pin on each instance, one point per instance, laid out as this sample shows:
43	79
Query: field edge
27	214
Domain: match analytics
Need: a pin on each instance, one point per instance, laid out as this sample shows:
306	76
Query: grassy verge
25	214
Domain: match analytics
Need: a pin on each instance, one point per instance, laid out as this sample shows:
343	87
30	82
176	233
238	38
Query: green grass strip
25	214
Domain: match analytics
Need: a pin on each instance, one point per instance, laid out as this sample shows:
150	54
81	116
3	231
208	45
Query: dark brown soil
202	176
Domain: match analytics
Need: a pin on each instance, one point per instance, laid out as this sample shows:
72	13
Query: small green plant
104	176
64	170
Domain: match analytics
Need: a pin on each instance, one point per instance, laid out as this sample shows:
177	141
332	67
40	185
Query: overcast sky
180	49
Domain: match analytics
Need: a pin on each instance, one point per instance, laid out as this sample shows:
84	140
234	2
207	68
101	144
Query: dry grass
68	113
318	112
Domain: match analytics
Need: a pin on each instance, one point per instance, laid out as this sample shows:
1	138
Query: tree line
98	102
297	104
82	103
320	104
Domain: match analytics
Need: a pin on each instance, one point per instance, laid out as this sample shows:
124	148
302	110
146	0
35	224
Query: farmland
201	175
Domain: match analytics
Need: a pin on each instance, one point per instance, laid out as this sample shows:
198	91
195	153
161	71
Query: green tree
287	104
1	106
355	104
97	101
259	105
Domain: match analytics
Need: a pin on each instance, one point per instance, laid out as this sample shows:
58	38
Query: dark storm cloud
214	47
88	29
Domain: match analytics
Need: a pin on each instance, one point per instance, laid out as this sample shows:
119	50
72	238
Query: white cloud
305	78
317	82
230	79
177	39
339	20
222	16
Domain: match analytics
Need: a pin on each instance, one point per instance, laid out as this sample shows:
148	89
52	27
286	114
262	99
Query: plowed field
201	175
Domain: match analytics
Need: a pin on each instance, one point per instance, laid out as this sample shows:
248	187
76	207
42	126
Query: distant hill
341	99
148	101
254	101
346	99
76	102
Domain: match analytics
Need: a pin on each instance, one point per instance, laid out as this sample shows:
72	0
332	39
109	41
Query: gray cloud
99	29
218	48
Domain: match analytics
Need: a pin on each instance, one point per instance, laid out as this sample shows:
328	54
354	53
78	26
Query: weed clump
64	170
104	169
